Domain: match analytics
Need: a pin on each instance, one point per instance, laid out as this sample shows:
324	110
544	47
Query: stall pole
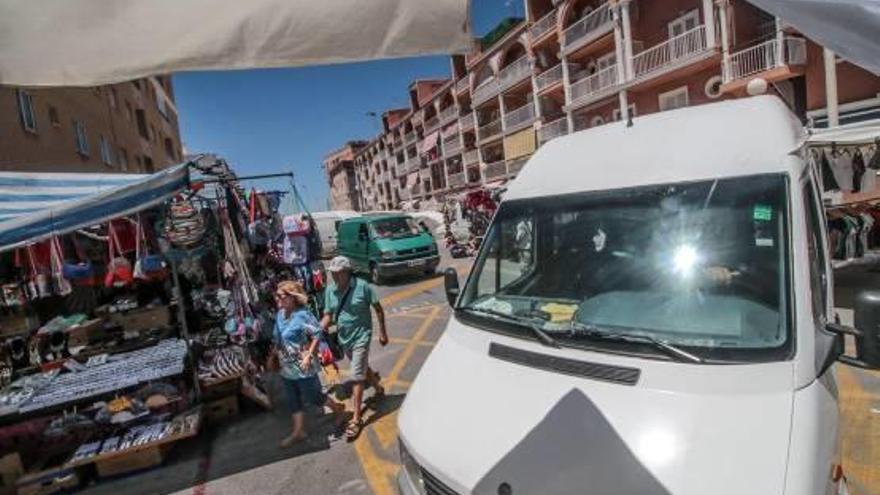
184	329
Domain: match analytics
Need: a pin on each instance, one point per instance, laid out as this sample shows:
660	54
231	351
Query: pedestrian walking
347	303
297	335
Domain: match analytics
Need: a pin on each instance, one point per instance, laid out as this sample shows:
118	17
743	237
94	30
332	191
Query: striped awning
34	206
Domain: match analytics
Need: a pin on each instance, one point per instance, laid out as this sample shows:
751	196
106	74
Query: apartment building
576	64
126	127
339	167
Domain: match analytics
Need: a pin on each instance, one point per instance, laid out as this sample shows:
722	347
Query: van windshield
700	266
392	228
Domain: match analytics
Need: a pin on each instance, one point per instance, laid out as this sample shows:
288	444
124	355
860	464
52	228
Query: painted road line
411	291
411	347
859	431
425	343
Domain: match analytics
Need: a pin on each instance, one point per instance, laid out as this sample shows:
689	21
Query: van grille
596	371
411	251
433	486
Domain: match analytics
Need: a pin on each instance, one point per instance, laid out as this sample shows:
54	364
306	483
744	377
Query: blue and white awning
35	206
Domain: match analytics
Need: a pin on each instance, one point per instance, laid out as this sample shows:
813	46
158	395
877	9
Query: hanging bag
184	226
56	262
150	267
81	272
119	270
331	337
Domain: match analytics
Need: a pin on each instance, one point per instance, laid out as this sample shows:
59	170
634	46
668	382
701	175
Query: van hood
475	421
403	243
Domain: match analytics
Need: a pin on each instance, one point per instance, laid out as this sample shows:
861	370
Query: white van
647	315
326	222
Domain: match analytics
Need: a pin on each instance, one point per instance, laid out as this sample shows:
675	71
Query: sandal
353	429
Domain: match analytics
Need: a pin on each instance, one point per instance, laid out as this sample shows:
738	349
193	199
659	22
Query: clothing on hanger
858	170
829	182
841	164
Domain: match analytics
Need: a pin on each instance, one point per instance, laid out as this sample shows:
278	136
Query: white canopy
848	27
860	133
91	42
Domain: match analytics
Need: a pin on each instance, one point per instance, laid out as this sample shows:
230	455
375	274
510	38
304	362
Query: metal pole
831	88
248	177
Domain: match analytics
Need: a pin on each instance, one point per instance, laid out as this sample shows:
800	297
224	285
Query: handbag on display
150	267
119	270
184	225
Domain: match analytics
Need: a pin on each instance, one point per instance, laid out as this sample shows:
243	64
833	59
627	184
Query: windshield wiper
540	335
579	329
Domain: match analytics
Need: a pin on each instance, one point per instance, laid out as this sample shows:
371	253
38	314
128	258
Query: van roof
374	217
726	139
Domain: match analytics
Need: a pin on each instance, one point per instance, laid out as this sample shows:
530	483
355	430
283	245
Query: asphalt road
243	456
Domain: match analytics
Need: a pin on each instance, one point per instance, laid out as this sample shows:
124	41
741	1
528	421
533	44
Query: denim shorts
303	392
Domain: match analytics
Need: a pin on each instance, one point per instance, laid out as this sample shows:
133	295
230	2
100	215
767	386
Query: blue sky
267	121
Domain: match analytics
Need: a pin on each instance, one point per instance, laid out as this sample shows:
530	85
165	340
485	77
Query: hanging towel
829	183
858	170
874	164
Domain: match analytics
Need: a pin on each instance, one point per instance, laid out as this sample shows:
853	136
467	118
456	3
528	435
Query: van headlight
386	255
412	469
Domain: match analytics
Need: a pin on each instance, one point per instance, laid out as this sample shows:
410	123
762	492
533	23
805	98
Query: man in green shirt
347	303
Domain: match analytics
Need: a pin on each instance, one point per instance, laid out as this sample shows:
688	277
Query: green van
387	245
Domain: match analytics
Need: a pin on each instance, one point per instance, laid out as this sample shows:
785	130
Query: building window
169	149
26	111
123	159
112	97
106	153
677	98
82	143
53	117
615	114
141	118
684	23
148	165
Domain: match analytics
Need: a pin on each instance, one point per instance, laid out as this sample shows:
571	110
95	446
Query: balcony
467	121
543	26
402	168
594	86
548	78
595	24
413	163
462	85
415	190
451	145
520	118
673	53
489	130
514	73
470	157
456	180
552	130
409	138
486	91
448	114
515	165
398	142
431	124
764	57
496	170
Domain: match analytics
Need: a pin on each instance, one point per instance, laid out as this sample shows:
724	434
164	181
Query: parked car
327	223
650	312
388	245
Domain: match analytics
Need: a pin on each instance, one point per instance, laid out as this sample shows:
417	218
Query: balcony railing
764	57
451	145
462	85
496	170
409	137
486	91
431	124
467	121
553	130
415	190
448	114
594	85
548	78
591	26
670	53
520	118
490	129
413	163
471	156
515	165
518	70
543	26
456	180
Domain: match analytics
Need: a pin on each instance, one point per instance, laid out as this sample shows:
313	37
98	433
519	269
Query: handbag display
150	267
119	270
184	225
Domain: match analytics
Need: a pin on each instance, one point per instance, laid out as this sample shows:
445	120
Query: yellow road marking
396	297
427	343
386	430
860	433
380	473
411	347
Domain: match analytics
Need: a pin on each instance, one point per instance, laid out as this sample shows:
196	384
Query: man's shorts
359	356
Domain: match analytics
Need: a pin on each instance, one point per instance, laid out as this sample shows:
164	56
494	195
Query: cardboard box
47	478
17	324
87	332
131	461
141	319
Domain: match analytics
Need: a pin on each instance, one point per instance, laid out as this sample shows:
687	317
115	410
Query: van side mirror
867	321
450	279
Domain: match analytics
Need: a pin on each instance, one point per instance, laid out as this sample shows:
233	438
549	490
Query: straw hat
294	289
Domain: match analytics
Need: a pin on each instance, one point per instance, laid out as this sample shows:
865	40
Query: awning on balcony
520	144
862	133
430	142
91	42
848	27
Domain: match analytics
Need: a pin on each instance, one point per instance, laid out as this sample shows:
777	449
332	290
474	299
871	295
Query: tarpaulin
862	133
520	144
91	42
430	142
848	27
59	203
